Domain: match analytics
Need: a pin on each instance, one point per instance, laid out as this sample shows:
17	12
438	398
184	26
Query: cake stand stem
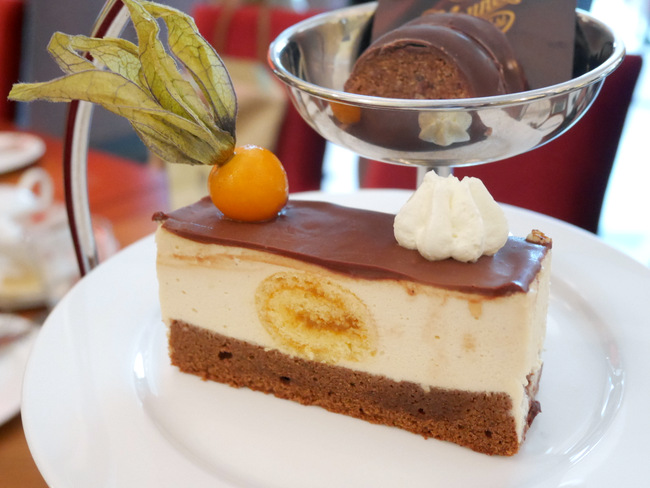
110	23
440	171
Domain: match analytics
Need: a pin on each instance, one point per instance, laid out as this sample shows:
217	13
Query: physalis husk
144	84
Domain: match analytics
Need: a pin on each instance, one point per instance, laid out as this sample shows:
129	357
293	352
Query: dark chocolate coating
541	32
358	243
466	57
492	40
435	56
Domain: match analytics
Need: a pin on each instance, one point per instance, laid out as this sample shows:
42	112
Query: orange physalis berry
346	114
251	187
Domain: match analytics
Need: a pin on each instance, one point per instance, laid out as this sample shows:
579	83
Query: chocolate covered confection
541	33
323	307
435	56
438	56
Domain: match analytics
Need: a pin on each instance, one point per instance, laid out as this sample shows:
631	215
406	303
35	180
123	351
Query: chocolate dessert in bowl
316	58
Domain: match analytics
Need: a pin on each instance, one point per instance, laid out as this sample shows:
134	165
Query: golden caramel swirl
315	318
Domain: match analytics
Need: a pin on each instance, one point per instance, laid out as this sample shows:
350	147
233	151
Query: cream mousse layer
356	310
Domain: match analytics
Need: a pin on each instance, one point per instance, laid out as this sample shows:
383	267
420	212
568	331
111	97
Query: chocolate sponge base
480	421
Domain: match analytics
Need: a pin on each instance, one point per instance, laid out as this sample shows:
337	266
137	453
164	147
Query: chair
566	178
11	23
300	148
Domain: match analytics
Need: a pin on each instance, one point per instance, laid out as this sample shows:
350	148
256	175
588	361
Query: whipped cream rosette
451	218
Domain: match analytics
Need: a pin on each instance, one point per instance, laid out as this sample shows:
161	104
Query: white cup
21	282
33	193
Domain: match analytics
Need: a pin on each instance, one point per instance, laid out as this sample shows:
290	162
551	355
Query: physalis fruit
251	187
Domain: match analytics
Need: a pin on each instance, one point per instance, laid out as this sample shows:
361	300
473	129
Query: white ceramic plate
103	407
13	360
18	150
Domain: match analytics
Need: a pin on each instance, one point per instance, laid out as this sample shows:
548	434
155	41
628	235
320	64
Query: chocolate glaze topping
358	243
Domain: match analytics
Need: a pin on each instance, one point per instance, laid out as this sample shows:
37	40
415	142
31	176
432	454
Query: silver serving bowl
315	57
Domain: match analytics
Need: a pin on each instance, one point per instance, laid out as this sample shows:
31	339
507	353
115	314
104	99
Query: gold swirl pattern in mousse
315	318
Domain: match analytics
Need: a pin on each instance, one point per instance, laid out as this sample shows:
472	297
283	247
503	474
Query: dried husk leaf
102	87
159	70
125	98
201	61
162	147
118	55
143	84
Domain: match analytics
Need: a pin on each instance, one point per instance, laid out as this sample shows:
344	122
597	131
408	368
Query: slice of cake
322	306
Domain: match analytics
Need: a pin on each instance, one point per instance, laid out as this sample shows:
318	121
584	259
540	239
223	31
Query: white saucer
18	150
13	359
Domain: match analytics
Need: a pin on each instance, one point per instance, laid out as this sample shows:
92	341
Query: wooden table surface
125	193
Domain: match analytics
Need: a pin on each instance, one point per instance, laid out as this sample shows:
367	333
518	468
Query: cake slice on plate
432	321
322	306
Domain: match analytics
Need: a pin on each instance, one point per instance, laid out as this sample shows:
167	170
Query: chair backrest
11	26
567	177
300	148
